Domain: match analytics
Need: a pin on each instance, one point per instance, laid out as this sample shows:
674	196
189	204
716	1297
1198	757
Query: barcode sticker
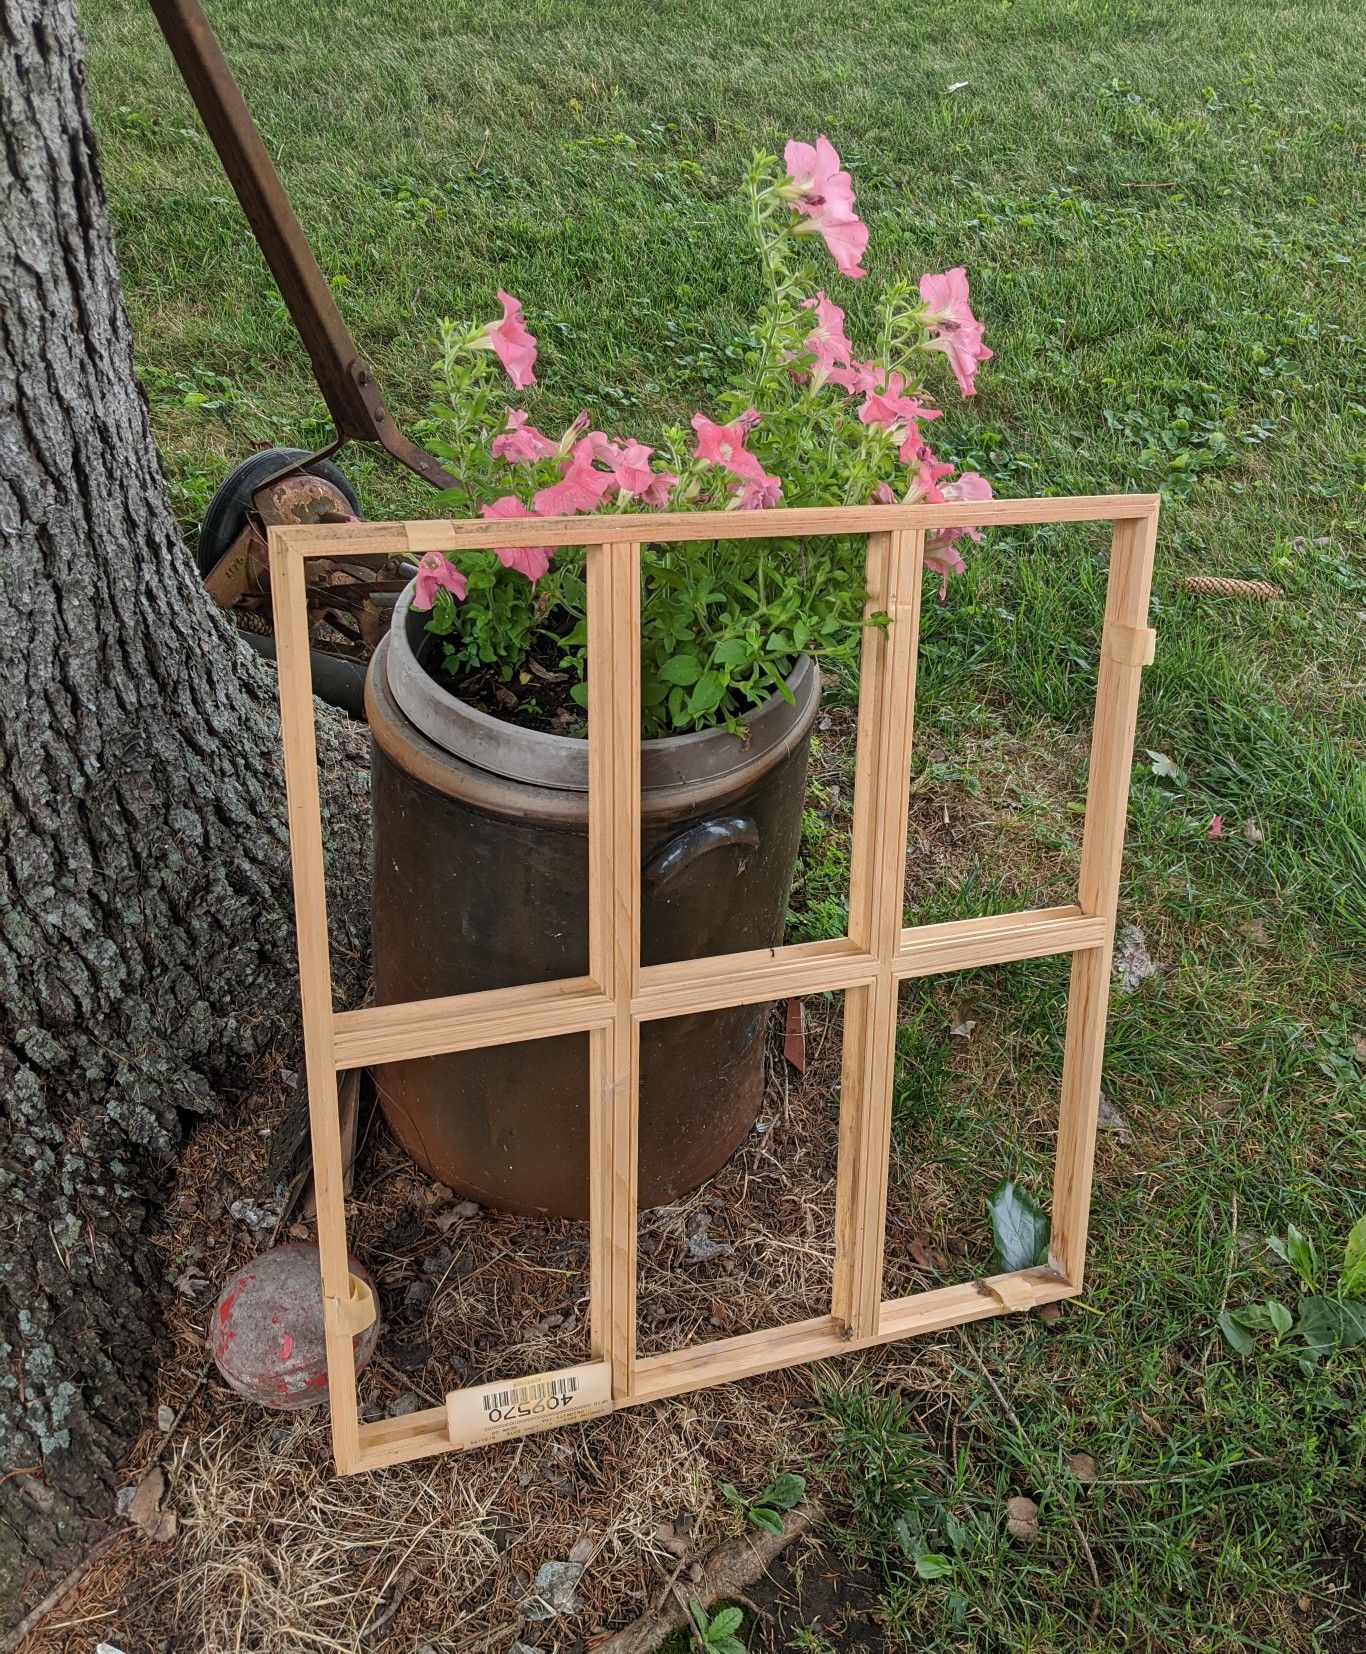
513	1406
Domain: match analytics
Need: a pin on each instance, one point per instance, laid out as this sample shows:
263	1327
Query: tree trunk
146	938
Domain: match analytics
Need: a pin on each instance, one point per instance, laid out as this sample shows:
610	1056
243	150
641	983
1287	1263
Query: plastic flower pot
481	876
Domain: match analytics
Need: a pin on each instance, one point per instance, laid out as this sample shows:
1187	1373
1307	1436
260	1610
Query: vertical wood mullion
1107	802
882	797
300	751
614	942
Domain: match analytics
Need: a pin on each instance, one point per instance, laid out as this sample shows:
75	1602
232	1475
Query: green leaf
1281	1318
1255	1317
1301	1256
768	1520
1236	1336
707	695
930	1565
578	693
1353	1282
1328	1324
681	669
733	1496
726	1623
1019	1226
784	1491
733	651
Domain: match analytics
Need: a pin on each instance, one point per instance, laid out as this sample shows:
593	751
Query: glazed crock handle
676	855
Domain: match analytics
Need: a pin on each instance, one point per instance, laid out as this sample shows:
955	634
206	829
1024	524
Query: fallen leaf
1109	1118
165	1419
553	1591
700	1244
1252	832
926	1256
1022	1519
191	1284
963	1027
1163	766
1083	1467
583	1550
1133	962
144	1510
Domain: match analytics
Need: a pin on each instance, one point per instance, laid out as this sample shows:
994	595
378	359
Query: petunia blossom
825	196
520	441
827	341
957	332
891	407
629	463
757	495
580	488
511	343
725	444
941	551
1215	828
435	572
859	377
531	561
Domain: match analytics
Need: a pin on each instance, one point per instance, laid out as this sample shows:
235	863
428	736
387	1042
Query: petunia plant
806	421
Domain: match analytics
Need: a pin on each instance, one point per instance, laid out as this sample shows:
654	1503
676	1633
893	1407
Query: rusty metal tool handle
347	384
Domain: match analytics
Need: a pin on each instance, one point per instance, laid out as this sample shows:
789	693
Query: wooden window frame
617	995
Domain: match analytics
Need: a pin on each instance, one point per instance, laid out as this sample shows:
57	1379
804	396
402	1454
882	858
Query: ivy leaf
1353	1282
683	670
1019	1226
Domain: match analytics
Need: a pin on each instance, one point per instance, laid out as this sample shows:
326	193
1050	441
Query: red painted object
266	1337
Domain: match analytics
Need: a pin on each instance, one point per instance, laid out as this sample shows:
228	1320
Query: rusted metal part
346	382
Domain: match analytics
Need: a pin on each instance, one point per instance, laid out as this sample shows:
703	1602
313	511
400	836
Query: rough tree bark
146	943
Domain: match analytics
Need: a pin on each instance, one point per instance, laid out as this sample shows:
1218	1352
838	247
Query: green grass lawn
1161	209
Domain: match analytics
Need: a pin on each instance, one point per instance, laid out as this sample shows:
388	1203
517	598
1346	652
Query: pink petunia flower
630	465
859	377
825	196
757	495
435	571
957	332
520	441
890	407
725	445
511	343
941	551
827	341
580	488
1215	828
531	561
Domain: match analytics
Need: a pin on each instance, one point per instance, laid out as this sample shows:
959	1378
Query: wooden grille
618	994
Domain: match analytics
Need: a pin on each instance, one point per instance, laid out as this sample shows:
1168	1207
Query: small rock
408	1402
1110	1119
165	1419
144	1510
583	1550
1050	1314
257	1215
700	1245
1133	962
1083	1467
1022	1519
552	1592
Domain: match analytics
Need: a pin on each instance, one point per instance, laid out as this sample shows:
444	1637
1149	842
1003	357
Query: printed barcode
522	1393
